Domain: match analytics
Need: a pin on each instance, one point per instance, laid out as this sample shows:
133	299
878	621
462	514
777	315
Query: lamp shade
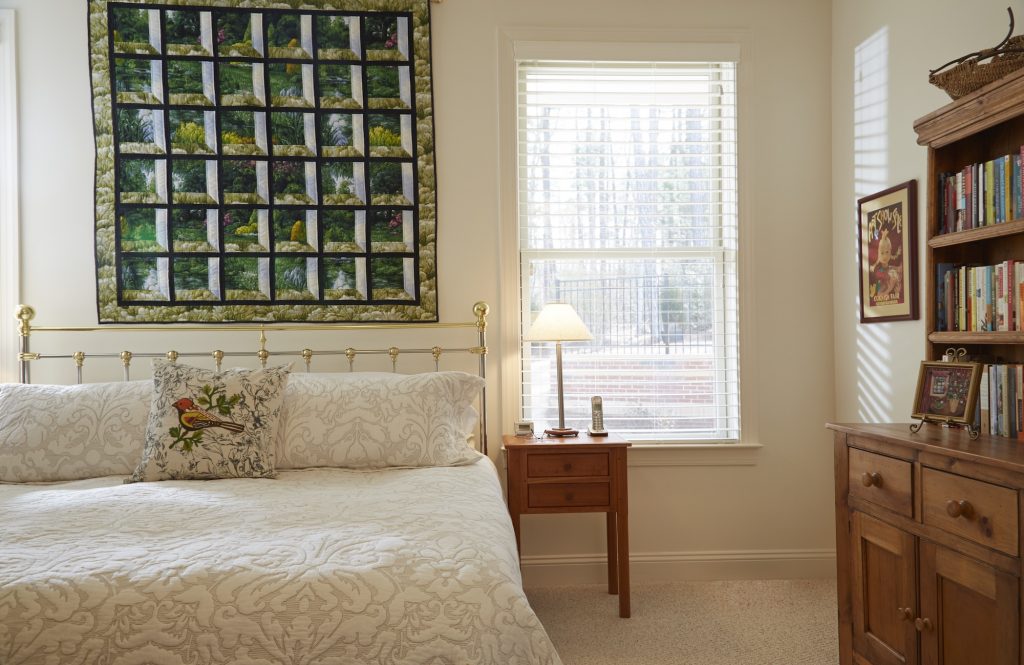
558	322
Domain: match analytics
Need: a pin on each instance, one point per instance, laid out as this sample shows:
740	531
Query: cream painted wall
877	364
697	516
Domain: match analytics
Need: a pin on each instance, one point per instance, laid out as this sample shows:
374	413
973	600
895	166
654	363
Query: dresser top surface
997	451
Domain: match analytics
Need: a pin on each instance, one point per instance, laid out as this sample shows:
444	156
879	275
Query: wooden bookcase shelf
974	235
984	125
961	338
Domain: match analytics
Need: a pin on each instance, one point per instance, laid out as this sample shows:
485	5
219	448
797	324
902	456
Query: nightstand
574	475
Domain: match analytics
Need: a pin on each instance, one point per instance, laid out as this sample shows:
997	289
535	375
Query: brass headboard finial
350	353
24	314
172	356
79	358
307	357
436	352
126	360
481	310
218	357
263	354
393	354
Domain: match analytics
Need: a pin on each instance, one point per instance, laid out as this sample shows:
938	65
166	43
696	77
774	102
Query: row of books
982	194
979	298
1000	408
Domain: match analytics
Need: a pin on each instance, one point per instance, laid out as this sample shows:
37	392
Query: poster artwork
886	284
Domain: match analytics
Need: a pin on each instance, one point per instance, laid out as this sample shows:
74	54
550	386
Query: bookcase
929	554
982	126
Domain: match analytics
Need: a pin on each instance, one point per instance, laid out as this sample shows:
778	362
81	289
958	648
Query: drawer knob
567	466
922	624
961	508
867	479
904	613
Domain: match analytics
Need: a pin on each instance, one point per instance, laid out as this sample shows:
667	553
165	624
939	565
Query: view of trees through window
628	211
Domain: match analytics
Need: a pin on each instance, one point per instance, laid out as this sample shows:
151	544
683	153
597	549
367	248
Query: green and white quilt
268	161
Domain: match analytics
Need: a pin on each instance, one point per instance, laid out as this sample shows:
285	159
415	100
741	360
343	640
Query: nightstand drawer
973	509
559	495
566	464
882	480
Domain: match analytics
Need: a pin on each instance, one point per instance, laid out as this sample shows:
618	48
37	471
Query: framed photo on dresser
947	392
887	245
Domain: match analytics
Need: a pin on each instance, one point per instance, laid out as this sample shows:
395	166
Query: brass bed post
481	309
25	314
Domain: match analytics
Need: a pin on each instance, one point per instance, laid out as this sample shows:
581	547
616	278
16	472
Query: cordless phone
597	417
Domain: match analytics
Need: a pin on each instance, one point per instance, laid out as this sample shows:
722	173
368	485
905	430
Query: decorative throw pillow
53	433
205	424
376	419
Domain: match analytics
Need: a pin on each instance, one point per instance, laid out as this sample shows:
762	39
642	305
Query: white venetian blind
628	211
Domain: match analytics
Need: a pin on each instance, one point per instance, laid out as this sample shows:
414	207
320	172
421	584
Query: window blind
627	189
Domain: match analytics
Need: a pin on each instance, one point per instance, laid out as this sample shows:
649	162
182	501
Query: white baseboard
572	569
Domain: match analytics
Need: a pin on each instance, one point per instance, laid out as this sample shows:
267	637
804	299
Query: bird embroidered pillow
205	424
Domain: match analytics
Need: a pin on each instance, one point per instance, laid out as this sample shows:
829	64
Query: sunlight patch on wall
871	174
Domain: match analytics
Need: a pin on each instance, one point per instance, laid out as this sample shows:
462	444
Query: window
627	194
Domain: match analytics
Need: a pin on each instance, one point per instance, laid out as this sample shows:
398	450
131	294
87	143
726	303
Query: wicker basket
968	73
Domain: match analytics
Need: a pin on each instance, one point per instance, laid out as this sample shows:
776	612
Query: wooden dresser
928	546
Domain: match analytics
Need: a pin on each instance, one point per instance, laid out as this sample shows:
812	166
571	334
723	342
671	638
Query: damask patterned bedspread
321	566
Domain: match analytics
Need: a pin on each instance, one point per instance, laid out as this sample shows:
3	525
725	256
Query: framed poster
887	269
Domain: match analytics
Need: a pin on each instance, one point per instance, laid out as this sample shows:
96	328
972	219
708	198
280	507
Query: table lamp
558	322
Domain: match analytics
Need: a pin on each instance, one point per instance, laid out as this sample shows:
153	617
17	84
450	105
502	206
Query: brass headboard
26	356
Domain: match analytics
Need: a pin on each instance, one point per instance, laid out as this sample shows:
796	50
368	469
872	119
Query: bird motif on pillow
193	418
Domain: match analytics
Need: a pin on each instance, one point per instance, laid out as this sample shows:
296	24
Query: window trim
522	44
10	286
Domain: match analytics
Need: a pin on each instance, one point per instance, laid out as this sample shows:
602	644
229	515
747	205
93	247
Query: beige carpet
750	622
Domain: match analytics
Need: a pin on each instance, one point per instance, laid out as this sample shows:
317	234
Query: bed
320	565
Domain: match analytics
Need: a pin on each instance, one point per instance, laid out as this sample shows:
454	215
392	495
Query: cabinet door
884	592
971	610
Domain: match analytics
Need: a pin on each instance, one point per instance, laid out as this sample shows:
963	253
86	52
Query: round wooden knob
567	466
922	624
873	478
961	508
904	613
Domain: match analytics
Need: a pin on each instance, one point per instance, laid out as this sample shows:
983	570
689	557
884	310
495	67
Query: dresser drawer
882	480
973	509
554	465
561	495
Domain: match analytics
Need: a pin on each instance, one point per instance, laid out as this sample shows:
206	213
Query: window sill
644	453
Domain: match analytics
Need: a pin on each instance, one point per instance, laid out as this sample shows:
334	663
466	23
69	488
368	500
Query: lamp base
562	432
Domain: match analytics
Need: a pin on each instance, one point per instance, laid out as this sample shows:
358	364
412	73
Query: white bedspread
321	566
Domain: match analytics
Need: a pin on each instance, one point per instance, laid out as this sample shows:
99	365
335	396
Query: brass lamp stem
561	430
561	389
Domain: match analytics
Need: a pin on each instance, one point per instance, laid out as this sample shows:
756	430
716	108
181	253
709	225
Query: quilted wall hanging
269	161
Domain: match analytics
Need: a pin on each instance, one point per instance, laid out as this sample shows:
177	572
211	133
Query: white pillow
377	419
205	424
50	433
